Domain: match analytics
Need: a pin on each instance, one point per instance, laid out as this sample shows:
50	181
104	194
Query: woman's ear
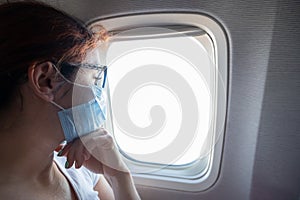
41	78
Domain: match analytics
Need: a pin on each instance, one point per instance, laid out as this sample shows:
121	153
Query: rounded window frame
208	176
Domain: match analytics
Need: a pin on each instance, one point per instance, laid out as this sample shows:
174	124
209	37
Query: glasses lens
99	78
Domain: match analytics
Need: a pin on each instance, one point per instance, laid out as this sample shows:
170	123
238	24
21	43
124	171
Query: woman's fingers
70	157
83	156
59	148
86	154
92	151
78	154
65	149
79	161
75	153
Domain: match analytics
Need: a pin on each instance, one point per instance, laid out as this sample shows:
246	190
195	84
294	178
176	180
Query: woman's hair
31	33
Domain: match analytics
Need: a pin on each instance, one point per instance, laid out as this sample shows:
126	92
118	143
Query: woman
46	57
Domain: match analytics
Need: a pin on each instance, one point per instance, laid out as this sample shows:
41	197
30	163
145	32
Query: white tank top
82	180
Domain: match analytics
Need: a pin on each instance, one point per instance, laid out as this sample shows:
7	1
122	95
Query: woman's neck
27	145
25	159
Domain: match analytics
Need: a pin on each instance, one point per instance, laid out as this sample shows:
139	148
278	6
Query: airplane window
161	94
164	92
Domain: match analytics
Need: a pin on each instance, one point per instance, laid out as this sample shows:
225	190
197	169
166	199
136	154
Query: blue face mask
85	118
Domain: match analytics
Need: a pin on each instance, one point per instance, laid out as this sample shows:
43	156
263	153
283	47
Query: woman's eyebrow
88	65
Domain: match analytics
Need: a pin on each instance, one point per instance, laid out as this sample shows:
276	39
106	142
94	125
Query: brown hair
31	33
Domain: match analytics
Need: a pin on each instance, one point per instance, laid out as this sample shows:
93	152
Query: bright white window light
154	83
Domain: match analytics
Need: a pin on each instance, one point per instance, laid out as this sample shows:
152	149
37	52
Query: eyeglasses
100	78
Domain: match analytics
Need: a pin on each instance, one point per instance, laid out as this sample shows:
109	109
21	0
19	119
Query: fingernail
60	153
66	164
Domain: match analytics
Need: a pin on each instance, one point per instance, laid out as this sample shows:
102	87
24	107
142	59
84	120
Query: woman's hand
97	152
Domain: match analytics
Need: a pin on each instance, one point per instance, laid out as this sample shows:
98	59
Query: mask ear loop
68	81
57	105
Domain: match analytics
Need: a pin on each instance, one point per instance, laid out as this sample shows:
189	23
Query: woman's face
80	92
87	76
